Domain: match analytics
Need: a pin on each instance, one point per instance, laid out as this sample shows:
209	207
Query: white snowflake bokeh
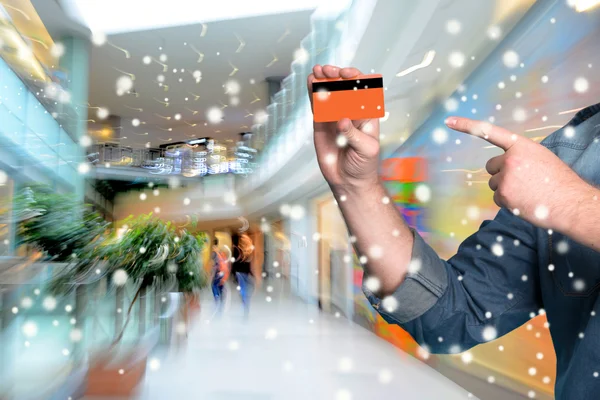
456	59
120	277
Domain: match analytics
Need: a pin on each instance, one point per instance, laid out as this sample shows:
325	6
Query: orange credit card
356	98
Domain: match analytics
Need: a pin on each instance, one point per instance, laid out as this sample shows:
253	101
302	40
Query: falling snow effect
373	284
385	376
232	87
467	357
98	38
301	56
30	329
569	132
456	59
330	159
494	32
497	250
473	212
423	193
49	303
124	85
57	50
297	212
343	394
389	304
154	364
414	266
271	334
451	105
102	113
120	277
214	115
84	168
341	141
440	136
261	117
579	285
581	85
76	335
453	27
511	59
519	114
562	247
541	212
489	333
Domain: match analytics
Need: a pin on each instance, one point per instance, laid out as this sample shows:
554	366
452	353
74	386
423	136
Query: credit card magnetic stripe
348	84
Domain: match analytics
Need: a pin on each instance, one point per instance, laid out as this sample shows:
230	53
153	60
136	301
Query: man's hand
529	179
347	151
348	155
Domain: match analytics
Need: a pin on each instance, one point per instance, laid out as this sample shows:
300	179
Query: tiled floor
288	350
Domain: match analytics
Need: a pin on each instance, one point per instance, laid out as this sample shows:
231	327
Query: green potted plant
57	225
145	252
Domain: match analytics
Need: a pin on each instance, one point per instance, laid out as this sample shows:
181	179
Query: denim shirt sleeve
490	287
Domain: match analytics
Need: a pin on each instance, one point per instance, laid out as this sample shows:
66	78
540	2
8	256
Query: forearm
580	219
381	234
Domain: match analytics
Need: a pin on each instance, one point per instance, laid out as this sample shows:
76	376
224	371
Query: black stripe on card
348	84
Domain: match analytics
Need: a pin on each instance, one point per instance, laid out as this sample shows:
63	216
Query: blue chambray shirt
450	299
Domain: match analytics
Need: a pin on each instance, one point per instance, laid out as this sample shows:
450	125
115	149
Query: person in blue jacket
538	255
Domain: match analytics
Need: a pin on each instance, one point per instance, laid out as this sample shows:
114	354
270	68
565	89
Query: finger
368	126
348	73
494	182
495	135
309	82
497	200
318	72
346	128
331	71
494	164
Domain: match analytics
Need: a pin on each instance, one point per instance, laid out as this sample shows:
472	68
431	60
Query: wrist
358	187
578	205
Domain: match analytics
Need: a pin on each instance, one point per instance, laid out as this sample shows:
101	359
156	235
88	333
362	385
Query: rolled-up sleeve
487	289
420	290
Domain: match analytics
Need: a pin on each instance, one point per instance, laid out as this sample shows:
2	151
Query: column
75	62
274	86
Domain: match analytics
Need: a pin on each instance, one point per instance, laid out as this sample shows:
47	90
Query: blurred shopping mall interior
134	135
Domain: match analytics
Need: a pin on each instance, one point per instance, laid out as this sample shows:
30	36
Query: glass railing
184	160
289	122
30	130
48	344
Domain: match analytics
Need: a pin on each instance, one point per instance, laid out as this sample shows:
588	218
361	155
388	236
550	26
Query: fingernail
450	121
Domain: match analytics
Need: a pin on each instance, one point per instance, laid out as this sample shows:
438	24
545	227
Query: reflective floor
287	350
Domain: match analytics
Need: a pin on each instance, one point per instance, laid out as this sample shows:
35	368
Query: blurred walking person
243	251
220	274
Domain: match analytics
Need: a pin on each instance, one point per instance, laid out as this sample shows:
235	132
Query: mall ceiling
184	77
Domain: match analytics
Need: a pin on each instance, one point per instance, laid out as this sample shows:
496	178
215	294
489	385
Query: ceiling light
117	16
427	60
586	5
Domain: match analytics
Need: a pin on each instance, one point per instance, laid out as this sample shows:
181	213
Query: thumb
353	137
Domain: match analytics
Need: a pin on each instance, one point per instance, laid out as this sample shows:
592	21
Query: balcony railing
46	342
181	160
289	122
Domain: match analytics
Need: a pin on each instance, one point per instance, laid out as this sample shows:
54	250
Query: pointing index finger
495	135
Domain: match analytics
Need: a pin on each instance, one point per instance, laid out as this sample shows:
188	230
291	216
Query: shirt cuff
424	284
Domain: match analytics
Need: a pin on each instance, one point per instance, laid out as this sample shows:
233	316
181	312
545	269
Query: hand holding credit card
346	135
357	98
